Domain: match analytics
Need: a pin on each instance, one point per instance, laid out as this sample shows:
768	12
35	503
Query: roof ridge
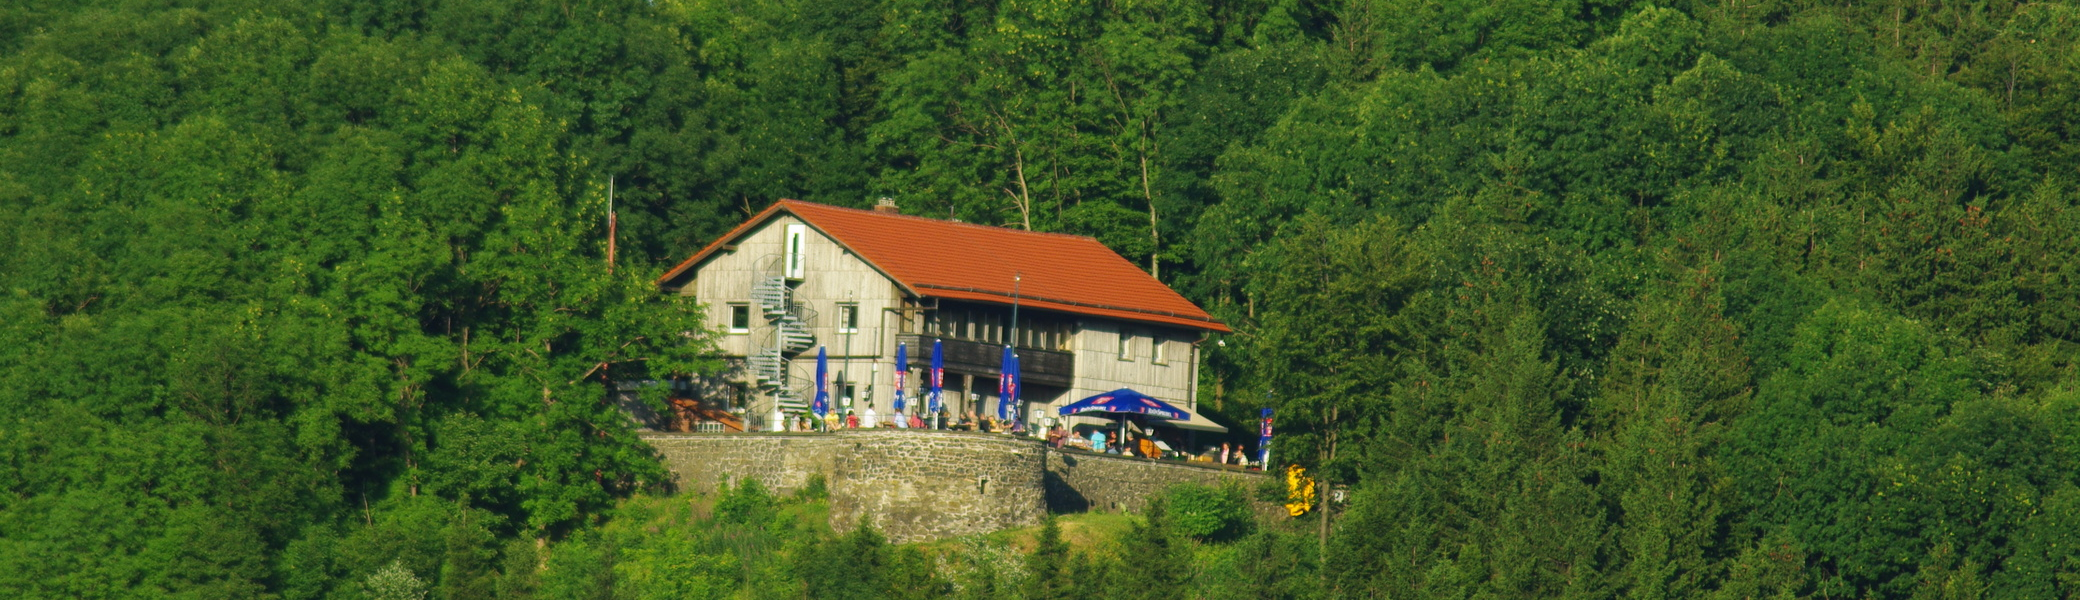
1022	296
938	221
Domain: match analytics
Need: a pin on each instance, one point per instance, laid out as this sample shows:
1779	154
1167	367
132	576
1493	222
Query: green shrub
746	504
816	488
1210	514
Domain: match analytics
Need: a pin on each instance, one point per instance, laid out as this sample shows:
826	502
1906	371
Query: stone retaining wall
924	485
1079	481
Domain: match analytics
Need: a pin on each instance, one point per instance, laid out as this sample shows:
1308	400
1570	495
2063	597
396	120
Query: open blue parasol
1126	401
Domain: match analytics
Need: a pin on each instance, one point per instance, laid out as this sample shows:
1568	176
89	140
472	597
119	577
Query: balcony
1036	366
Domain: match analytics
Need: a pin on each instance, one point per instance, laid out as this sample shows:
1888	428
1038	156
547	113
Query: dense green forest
1577	298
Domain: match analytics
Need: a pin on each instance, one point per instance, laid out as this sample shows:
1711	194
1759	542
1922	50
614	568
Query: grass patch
1084	532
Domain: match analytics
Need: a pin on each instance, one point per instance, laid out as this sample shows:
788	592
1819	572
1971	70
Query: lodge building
856	283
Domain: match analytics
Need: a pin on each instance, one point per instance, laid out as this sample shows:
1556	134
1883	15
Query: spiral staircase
788	332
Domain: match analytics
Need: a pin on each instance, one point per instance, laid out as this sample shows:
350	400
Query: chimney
887	205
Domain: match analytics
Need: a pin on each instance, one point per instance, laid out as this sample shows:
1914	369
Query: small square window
1155	351
739	317
1126	346
848	318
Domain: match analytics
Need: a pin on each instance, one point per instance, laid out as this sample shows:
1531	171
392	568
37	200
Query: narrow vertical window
848	318
1126	345
739	317
1155	350
794	259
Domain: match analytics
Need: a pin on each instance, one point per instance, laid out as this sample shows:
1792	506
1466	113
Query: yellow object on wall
1299	491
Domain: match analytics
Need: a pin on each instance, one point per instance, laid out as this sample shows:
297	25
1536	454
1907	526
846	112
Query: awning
1196	423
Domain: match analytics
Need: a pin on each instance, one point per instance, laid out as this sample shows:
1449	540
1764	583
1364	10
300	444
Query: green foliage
1048	564
1156	559
816	488
393	582
1209	514
1577	298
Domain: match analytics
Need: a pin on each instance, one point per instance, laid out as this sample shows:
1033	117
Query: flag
902	373
822	405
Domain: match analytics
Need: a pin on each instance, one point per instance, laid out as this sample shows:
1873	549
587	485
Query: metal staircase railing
788	332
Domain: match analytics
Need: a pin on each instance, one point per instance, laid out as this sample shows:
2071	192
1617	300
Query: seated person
1098	441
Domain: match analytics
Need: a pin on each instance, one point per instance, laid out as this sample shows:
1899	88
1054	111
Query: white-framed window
1126	345
848	318
739	317
797	234
1156	347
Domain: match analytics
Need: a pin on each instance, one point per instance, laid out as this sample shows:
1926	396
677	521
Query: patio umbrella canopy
1125	401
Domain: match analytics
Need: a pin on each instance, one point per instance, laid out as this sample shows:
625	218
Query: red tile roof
963	261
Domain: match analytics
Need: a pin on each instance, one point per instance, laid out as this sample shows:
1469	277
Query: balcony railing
1036	366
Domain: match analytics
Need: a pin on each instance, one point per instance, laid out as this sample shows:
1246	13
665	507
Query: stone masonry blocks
925	485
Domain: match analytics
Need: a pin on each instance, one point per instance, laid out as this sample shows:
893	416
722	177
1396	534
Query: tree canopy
1576	298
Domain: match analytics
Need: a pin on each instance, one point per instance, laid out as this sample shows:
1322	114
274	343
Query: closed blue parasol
822	405
1126	401
1007	387
936	378
902	373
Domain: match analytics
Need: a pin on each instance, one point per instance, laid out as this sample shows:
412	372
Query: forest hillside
1576	298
